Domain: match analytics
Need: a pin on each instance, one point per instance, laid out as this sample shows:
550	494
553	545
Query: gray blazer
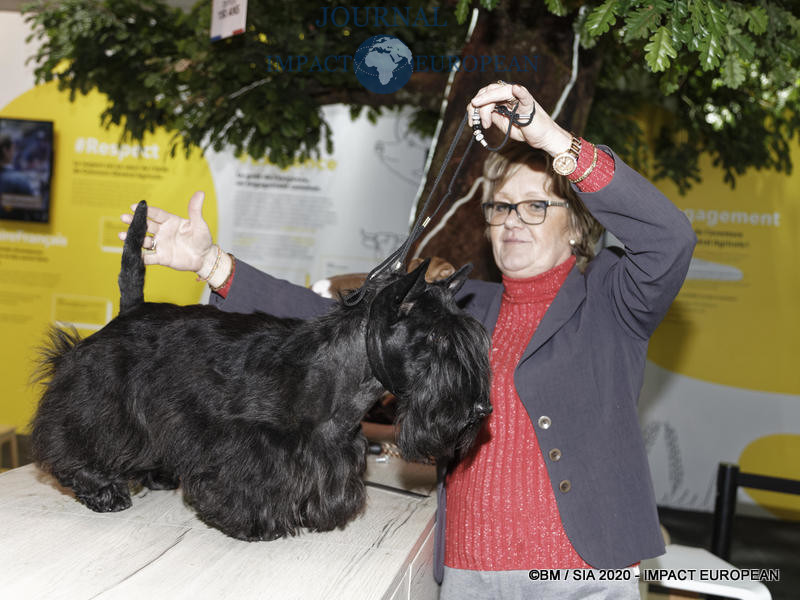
580	376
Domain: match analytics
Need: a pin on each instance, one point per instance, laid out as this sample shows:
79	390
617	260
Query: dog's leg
338	491
160	479
251	488
99	492
234	509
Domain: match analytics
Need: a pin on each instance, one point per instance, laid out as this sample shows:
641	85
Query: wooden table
52	547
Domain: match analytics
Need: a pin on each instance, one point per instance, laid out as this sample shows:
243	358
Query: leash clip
503	110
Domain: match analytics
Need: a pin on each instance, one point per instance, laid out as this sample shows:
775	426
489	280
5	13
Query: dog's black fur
257	417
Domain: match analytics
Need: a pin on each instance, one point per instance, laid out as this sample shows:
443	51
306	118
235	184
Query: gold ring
501	82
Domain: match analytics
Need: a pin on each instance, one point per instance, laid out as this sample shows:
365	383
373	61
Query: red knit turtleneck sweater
501	509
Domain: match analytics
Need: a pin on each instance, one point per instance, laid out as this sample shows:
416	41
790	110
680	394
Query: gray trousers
459	584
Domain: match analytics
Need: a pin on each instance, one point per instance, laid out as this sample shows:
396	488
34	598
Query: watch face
564	164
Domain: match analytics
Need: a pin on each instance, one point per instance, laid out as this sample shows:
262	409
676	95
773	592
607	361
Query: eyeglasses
530	212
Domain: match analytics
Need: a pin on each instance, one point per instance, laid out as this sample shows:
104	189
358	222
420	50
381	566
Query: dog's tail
131	274
61	341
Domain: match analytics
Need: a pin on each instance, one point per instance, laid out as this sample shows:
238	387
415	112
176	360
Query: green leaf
669	82
757	20
643	21
794	23
679	26
698	21
782	75
264	126
710	52
462	10
716	18
151	80
556	7
740	43
787	48
738	14
659	50
776	17
732	71
602	18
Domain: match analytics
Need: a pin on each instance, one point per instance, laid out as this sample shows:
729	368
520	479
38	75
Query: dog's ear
398	297
457	279
412	285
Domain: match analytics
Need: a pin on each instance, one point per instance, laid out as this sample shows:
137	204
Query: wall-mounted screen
26	169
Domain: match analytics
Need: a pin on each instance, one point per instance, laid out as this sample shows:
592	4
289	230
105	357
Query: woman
559	476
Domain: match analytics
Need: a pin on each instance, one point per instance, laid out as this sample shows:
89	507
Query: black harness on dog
395	260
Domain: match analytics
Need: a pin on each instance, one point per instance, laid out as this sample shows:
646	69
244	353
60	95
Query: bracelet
228	278
591	167
214	268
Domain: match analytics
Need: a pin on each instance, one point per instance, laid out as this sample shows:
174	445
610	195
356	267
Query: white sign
341	213
228	17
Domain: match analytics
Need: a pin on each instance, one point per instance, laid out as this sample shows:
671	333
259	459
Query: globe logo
383	64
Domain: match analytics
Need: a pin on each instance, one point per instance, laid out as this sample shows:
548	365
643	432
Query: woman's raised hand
182	244
542	132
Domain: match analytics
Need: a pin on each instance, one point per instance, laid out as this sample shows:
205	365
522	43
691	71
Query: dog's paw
110	498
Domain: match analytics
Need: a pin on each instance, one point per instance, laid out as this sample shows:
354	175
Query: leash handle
513	119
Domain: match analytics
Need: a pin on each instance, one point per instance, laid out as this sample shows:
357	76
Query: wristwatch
566	162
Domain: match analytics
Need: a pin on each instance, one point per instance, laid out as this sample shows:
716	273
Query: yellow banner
735	322
65	271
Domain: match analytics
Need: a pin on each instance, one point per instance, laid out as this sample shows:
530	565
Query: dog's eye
435	338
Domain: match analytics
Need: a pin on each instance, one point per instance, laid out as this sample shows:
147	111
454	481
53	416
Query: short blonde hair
501	166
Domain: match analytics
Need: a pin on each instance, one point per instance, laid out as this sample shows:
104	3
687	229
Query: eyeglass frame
512	206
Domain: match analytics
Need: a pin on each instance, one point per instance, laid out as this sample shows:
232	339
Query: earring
573	242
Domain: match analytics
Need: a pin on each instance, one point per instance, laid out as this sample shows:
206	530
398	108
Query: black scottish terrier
257	417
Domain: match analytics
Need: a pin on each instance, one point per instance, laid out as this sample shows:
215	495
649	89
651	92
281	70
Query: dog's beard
425	434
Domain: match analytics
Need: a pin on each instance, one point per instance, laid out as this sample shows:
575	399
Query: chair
729	480
8	435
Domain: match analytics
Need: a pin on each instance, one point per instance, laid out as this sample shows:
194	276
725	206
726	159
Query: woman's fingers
487	97
196	206
526	99
152	226
147	243
150	258
155	214
501	93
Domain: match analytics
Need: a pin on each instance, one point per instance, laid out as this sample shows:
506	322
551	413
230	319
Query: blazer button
544	422
565	486
555	454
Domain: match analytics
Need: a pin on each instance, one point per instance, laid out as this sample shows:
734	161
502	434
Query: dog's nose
482	410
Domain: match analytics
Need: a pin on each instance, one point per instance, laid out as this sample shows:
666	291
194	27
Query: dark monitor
26	169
